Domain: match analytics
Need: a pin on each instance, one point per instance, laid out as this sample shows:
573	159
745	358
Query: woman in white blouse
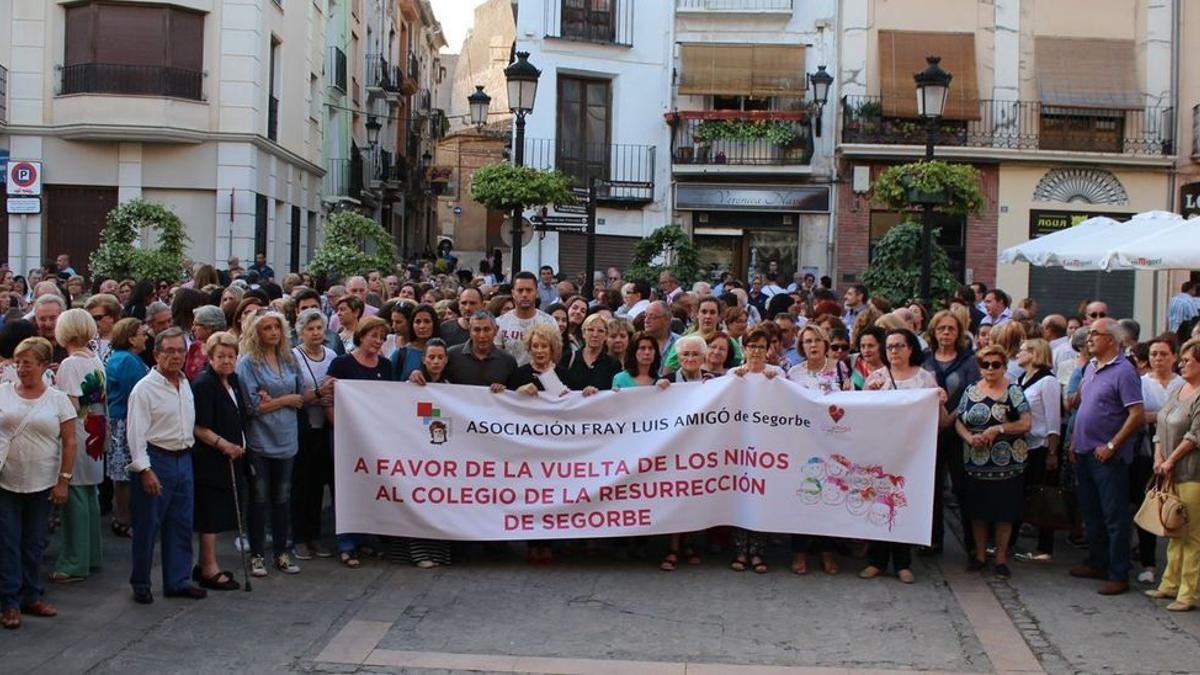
1044	395
1158	383
36	472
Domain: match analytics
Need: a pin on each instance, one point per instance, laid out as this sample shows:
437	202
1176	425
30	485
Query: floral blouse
1005	458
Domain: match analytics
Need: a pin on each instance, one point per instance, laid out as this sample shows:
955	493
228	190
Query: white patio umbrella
1089	253
1172	248
1039	251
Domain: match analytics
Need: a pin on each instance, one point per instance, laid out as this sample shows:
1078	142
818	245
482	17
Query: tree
118	257
893	274
667	249
504	187
353	245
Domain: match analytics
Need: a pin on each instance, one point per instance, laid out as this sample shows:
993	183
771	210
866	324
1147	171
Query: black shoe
143	597
974	565
190	592
1002	571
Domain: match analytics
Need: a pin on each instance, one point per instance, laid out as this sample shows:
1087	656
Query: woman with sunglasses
952	362
902	370
992	417
1045	407
825	374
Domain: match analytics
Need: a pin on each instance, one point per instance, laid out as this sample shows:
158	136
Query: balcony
115	78
337	69
607	22
423	102
343	179
625	173
411	76
710	141
1020	125
379	74
735	6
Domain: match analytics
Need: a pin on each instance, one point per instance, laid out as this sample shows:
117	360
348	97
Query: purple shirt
1105	396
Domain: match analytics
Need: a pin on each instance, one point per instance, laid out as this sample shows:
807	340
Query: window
593	20
3	94
294	244
1080	129
952	235
150	50
260	223
740	103
584	112
314	97
273	93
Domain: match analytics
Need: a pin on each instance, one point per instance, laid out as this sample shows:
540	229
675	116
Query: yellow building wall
1146	190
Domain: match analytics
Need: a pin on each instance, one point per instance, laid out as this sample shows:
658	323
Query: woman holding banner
642	363
719	356
902	356
620	332
992	417
590	368
544	344
749	545
826	375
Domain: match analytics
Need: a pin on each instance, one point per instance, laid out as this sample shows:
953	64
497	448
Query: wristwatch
65	475
1110	446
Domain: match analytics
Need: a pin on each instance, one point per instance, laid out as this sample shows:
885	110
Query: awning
1087	73
742	70
902	55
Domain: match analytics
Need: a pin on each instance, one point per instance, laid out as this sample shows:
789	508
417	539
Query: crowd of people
205	405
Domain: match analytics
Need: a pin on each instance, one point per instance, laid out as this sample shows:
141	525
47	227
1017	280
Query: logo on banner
836	413
866	491
439	427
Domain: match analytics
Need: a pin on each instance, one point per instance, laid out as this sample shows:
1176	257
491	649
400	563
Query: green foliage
505	187
353	245
869	110
668	248
959	183
776	132
895	270
118	257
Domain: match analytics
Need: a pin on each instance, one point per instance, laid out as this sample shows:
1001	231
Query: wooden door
73	220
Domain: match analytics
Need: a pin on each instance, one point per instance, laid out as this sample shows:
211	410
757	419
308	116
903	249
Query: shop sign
708	197
1042	223
1189	200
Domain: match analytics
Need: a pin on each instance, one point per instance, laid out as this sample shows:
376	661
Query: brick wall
854	229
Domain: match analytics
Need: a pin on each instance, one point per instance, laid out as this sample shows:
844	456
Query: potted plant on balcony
747	140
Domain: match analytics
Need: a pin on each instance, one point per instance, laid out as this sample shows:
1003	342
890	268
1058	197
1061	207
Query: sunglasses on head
991	365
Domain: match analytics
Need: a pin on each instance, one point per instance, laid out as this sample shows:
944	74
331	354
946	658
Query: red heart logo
836	413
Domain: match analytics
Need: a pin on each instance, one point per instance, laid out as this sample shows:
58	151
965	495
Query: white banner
462	463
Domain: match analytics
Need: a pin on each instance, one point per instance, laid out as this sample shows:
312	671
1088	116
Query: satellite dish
526	232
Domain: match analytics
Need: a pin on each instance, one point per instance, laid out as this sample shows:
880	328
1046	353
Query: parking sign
24	178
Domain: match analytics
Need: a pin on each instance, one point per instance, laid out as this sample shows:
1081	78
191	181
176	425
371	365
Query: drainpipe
1173	174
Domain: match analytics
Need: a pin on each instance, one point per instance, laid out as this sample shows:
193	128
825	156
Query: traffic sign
563	220
24	204
457	210
24	178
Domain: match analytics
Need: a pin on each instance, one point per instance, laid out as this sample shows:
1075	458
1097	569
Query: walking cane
237	508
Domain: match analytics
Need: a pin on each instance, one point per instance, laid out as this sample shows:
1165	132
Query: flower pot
684	154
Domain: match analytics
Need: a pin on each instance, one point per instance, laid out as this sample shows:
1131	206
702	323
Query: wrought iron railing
116	78
344	178
625	173
742	138
601	21
1019	125
734	5
379	73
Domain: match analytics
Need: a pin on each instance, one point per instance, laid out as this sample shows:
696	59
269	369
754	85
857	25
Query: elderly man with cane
160	433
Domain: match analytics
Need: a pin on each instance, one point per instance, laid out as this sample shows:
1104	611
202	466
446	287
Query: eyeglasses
991	365
756	347
839	348
98	317
1097	315
896	347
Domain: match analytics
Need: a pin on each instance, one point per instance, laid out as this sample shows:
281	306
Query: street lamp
522	79
933	88
373	127
479	102
821	81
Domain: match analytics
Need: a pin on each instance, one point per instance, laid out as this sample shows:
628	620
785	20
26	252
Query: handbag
1050	507
6	439
1162	512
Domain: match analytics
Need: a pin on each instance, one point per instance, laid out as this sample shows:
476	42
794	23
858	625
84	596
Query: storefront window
952	235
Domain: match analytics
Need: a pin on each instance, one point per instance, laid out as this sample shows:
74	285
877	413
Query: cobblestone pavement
602	615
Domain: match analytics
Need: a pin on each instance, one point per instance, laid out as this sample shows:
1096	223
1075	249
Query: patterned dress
994	472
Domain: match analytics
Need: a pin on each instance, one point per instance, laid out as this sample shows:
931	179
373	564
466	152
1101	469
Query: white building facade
210	107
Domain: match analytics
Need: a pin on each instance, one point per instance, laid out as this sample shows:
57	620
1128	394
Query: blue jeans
24	518
171	513
1104	500
272	479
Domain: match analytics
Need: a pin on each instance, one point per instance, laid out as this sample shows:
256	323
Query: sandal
349	560
39	608
800	565
11	618
63	578
757	564
828	564
122	530
216	583
870	572
670	562
739	564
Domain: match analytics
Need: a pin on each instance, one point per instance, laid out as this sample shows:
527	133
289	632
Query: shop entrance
745	243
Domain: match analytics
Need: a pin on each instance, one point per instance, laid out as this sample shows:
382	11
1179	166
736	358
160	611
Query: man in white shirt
637	298
159	431
356	286
1182	306
1054	329
772	287
668	285
512	326
996	310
